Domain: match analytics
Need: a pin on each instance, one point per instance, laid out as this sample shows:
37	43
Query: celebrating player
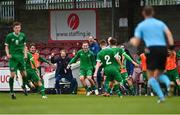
87	63
106	58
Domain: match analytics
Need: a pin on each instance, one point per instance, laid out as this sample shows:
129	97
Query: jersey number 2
107	58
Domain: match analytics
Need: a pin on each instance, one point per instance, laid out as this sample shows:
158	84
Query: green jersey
87	59
120	52
16	43
30	64
106	58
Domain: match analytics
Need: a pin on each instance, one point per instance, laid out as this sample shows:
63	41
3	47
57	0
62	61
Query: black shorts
156	57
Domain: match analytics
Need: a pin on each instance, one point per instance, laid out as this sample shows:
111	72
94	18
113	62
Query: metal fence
160	2
7	7
68	4
6	11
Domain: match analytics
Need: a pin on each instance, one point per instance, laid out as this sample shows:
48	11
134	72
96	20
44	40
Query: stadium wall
36	22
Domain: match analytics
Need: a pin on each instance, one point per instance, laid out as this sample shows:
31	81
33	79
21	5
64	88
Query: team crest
20	38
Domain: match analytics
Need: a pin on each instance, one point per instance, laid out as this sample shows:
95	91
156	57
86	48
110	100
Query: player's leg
155	85
118	80
107	87
178	86
176	79
13	68
156	59
130	83
145	79
89	77
124	85
24	81
37	80
11	82
82	78
22	68
99	80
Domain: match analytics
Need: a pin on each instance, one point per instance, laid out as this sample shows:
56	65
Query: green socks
93	87
116	88
42	90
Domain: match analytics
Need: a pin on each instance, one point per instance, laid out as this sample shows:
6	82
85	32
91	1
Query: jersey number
107	58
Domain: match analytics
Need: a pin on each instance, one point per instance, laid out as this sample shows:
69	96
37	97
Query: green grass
56	104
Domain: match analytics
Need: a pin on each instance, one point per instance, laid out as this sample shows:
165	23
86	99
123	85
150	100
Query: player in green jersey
15	47
107	59
32	74
123	56
38	59
87	63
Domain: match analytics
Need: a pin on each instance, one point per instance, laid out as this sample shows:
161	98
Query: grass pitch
81	104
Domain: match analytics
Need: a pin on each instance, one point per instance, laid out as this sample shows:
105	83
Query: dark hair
32	44
113	41
148	11
103	42
16	24
85	42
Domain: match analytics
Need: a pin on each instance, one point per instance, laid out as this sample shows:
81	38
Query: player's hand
9	56
95	75
52	55
68	66
135	64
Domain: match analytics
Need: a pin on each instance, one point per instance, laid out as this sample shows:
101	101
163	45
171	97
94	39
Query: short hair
16	24
63	50
148	11
85	42
103	43
113	41
32	44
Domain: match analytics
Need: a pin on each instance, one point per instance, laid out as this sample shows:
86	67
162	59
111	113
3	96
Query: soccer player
32	74
87	63
106	59
38	59
171	70
154	33
15	47
122	55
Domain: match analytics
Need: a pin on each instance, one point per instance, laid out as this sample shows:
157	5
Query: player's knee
81	78
89	77
39	83
13	74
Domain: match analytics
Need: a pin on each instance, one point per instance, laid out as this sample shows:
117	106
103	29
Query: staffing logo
73	21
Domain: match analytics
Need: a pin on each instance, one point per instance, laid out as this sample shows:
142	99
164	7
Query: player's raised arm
73	60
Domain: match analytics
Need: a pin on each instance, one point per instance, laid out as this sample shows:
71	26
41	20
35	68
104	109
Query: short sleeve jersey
152	31
106	58
16	43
